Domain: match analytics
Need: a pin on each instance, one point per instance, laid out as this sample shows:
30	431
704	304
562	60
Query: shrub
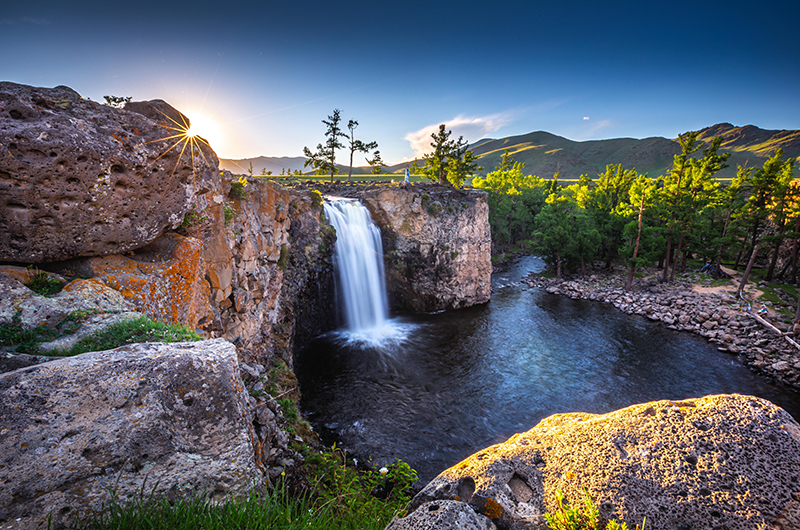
229	211
586	518
193	218
238	188
40	282
283	260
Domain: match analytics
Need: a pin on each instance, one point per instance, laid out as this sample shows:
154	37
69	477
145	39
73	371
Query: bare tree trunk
558	265
718	264
667	260
635	248
675	261
747	272
350	174
774	261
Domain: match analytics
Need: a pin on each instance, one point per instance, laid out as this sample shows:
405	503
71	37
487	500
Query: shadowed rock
726	461
82	179
167	418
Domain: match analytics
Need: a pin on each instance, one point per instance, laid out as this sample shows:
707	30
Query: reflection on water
462	380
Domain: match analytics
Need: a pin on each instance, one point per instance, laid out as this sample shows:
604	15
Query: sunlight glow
205	128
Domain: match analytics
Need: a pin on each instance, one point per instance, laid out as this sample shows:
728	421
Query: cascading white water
359	271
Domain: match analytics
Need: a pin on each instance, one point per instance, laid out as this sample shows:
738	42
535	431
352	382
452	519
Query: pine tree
324	160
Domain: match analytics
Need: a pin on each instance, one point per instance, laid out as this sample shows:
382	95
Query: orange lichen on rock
165	279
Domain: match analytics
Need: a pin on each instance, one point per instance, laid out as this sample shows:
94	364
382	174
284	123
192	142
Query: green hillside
545	154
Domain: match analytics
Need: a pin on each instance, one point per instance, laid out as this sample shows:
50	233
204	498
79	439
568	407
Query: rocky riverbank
683	305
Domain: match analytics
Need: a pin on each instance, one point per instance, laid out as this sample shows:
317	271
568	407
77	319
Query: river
464	379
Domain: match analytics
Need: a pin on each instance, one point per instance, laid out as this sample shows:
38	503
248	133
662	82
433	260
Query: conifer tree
324	159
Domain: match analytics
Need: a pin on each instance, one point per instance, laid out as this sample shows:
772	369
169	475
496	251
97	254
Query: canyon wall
135	218
436	243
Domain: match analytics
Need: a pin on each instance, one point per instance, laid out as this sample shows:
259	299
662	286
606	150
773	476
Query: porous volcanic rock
723	461
168	418
442	514
82	179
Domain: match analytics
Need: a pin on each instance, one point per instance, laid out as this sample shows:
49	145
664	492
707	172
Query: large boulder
82	179
172	419
726	461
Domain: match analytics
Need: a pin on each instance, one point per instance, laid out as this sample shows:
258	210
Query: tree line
623	217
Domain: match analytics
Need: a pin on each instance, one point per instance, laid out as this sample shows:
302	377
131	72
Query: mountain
276	164
545	154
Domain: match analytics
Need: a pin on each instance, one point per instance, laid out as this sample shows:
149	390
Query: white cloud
586	117
589	133
471	129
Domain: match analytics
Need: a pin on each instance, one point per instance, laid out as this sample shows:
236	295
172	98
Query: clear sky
266	73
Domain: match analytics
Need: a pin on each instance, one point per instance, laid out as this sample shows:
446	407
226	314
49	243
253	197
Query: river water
462	380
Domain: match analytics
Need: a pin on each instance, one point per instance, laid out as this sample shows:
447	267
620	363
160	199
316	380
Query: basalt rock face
271	276
436	244
168	418
82	179
726	461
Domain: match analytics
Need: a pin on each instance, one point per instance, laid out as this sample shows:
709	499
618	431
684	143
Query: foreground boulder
82	179
165	418
726	461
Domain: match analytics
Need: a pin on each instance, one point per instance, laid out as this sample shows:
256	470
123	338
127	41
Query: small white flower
383	470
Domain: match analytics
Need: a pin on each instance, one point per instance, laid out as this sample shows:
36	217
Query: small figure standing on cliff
406	181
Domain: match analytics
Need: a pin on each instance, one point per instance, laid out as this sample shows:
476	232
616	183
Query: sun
206	128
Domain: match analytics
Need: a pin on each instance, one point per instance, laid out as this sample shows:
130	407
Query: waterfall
358	262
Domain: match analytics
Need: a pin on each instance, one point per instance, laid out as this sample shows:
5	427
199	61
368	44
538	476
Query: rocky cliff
436	243
134	217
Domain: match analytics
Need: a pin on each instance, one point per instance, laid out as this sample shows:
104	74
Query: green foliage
40	282
369	494
341	497
359	146
238	187
324	159
450	160
140	329
228	211
14	336
376	163
586	517
289	408
283	259
194	218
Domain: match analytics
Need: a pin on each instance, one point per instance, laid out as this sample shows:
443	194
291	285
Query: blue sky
265	74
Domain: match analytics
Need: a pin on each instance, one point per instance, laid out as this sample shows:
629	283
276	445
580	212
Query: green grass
340	496
142	329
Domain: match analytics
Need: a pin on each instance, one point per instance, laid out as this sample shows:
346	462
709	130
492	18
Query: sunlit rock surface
168	418
82	179
725	461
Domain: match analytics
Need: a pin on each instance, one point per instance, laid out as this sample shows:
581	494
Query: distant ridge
270	163
545	154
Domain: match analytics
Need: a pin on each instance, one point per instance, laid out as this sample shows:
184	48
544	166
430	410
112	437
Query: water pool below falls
448	384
